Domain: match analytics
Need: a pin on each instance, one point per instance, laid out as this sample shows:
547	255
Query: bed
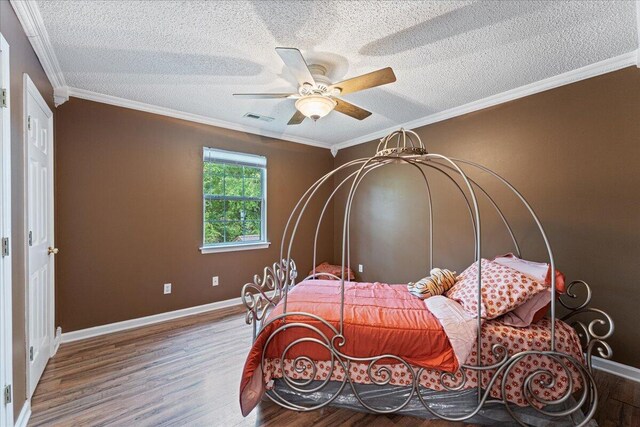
378	348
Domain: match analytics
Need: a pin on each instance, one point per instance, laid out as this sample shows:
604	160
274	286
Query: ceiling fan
317	96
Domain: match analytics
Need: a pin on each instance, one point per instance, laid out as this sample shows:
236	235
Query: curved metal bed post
306	203
476	211
493	203
344	229
308	195
324	208
409	161
320	181
426	181
464	196
544	237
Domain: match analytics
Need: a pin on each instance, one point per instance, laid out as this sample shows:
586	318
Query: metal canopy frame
405	147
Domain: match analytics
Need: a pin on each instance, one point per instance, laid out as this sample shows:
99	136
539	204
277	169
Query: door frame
6	330
31	89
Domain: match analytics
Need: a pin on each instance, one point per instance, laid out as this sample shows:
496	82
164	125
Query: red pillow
539	271
336	270
503	289
541	313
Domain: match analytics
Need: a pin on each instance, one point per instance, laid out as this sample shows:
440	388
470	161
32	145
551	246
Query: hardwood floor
186	372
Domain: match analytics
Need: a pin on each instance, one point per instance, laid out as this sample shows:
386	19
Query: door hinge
7	394
31	354
28	122
5	246
30	238
3	98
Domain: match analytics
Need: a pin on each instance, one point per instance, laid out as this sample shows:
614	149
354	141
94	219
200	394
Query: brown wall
573	152
129	213
23	60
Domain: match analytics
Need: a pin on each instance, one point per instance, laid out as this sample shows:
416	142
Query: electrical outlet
167	288
360	268
214	281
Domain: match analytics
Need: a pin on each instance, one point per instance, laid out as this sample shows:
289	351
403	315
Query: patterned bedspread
514	340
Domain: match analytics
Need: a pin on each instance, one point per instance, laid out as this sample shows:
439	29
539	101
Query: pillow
437	283
336	270
539	271
530	312
503	289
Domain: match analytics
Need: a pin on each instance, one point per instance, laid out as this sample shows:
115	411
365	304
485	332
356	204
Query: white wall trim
638	28
60	95
593	70
29	16
6	329
31	90
164	111
25	414
81	334
234	248
615	368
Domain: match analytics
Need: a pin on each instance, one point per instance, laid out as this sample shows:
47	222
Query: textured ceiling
191	56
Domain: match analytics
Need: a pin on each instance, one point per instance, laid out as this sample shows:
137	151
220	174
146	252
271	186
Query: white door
39	221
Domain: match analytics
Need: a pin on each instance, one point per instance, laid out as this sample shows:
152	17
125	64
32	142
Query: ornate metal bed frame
593	326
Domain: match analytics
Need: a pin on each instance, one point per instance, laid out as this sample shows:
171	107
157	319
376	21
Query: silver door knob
53	251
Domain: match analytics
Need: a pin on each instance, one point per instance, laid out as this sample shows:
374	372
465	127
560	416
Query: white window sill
234	248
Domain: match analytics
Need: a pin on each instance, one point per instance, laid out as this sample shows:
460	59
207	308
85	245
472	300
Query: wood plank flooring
186	372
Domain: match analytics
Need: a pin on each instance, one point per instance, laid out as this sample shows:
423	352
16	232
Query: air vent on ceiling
259	117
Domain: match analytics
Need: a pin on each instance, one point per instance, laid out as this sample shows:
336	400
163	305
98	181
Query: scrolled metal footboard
262	295
570	403
587	321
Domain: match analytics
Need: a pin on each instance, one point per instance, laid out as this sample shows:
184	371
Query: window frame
264	242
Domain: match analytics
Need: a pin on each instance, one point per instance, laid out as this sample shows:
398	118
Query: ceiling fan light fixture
315	106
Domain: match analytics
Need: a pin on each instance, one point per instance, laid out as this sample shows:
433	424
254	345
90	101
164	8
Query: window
234	199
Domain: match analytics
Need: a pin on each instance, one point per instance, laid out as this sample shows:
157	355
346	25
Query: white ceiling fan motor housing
321	87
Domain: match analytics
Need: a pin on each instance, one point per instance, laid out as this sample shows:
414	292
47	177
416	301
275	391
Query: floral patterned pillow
503	289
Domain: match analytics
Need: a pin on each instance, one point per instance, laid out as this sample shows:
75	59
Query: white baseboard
599	363
615	368
148	320
25	414
57	339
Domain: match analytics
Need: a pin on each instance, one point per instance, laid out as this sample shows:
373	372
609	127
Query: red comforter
378	319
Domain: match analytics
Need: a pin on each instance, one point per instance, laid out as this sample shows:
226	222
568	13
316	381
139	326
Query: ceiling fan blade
365	81
294	60
351	110
297	118
264	95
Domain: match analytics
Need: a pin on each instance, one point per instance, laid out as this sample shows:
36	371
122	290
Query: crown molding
60	95
29	16
593	70
164	111
638	28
